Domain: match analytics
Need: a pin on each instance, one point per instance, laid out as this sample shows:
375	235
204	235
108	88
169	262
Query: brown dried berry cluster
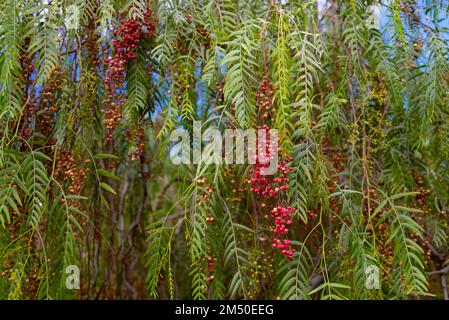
27	66
92	43
43	110
67	169
421	199
411	14
137	139
129	34
337	160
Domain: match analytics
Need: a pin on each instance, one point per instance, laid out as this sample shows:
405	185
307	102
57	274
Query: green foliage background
361	111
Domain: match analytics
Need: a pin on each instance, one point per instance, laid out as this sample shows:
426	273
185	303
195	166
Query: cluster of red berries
266	185
282	219
130	33
270	187
203	196
25	133
210	265
265	97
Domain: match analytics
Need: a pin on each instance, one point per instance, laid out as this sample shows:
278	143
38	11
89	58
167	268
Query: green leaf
107	187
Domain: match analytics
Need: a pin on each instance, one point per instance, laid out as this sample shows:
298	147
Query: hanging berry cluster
270	188
129	34
136	138
71	170
412	16
44	111
266	185
210	266
282	219
29	107
265	98
337	158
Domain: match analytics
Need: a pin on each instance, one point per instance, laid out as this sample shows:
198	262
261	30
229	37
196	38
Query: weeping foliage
90	92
